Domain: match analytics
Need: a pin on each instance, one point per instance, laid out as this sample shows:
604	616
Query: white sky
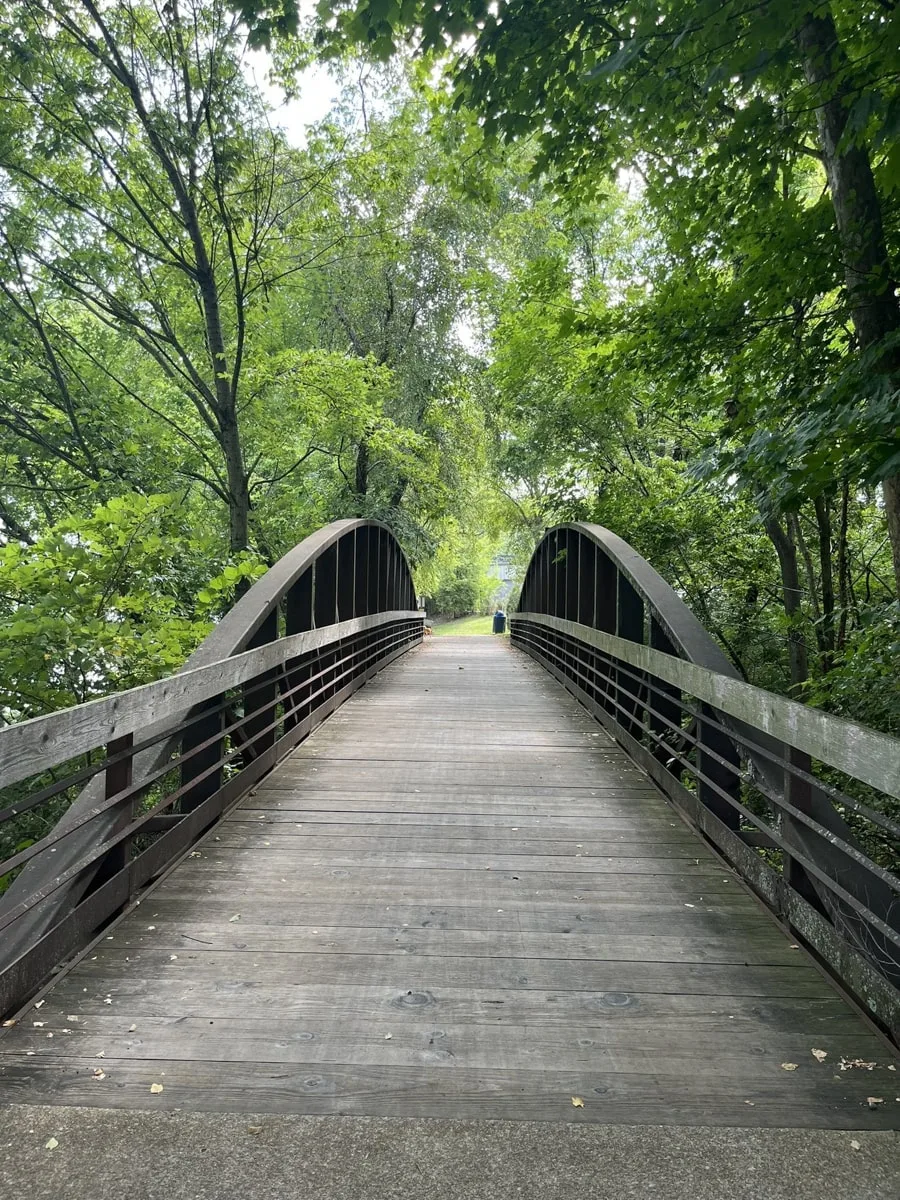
318	93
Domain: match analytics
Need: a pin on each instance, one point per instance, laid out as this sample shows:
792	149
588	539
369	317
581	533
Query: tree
702	97
142	186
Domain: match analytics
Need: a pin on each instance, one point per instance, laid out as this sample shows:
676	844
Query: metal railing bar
44	742
783	805
835	888
133	792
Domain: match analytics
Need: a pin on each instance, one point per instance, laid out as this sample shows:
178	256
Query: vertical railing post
260	695
325	613
298	618
711	771
629	625
665	702
798	793
118	778
206	762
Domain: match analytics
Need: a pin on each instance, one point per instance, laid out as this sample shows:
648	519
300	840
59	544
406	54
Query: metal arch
685	632
239	624
230	636
691	641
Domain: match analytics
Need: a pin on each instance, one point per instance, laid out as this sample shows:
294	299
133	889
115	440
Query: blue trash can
499	621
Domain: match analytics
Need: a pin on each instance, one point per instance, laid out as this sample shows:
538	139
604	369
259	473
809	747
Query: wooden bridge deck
458	898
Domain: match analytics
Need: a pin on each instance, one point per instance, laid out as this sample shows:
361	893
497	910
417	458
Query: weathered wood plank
502	1094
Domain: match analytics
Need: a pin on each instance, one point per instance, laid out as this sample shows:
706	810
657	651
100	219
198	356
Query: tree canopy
539	262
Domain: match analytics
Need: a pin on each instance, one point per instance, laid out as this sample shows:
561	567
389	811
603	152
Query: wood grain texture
457	898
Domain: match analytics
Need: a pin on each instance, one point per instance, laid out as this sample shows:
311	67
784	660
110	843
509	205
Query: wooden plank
753	948
699	1098
389	1040
648	1013
425	973
263	836
732	917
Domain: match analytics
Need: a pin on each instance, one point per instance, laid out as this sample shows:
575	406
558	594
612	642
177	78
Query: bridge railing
797	800
141	774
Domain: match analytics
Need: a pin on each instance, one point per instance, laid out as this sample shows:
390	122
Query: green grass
467	626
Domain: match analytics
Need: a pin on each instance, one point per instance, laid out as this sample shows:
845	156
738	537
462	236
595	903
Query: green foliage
106	602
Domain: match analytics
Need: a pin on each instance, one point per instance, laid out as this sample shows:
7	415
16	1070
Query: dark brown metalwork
147	773
754	795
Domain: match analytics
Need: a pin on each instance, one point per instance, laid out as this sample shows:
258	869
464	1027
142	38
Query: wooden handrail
860	752
44	742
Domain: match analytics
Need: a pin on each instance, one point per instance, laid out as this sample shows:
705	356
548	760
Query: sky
318	92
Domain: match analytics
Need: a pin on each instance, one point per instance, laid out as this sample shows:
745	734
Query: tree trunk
790	590
891	489
238	484
361	479
843	567
826	574
857	210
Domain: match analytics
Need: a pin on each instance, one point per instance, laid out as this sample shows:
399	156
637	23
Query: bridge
341	909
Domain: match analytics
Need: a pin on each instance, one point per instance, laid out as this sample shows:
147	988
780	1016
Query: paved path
458	899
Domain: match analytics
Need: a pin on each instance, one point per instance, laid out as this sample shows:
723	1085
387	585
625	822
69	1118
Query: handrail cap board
860	752
44	742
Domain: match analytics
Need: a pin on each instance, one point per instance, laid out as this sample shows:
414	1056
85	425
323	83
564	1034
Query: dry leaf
848	1064
854	1144
173	957
99	1073
100	1054
789	1066
254	1129
40	1004
236	917
577	1102
9	1024
155	1089
819	1055
874	1101
751	1103
132	1028
38	1024
51	1144
388	1036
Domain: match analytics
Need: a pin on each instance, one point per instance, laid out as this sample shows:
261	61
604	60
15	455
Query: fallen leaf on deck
577	1102
848	1064
874	1101
99	1073
254	1128
854	1144
100	1054
38	1024
819	1055
236	917
388	1036
789	1066
51	1144
132	1028
155	1089
40	1004
9	1024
